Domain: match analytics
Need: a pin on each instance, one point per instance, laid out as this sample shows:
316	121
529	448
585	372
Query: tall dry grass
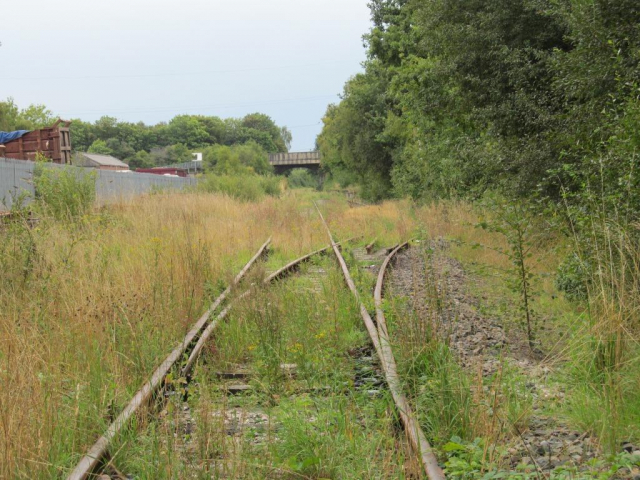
89	307
593	345
605	355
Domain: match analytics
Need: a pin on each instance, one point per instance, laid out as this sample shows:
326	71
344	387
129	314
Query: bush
572	278
65	193
237	159
243	187
302	178
271	185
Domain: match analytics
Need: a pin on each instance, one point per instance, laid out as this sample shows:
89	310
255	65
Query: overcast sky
150	60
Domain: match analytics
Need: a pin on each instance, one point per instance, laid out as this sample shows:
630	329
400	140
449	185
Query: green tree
106	127
215	128
249	158
119	148
37	116
353	136
457	96
141	159
165	142
82	135
30	118
99	146
179	153
287	137
253	156
187	130
223	160
8	115
261	129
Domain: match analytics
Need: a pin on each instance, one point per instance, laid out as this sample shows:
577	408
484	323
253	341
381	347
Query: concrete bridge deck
288	161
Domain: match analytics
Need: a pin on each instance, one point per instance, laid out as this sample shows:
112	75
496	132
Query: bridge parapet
292	159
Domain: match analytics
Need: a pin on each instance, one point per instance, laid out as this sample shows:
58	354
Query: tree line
531	110
457	97
232	145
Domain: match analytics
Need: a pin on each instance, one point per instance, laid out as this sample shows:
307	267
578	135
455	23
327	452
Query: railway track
192	344
379	335
184	357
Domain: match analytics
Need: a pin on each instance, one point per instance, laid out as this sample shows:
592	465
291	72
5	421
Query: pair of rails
194	341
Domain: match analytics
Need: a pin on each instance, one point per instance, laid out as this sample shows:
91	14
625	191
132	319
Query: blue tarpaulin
6	137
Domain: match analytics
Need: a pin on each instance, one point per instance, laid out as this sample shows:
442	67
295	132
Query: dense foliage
534	107
248	188
237	159
303	178
461	96
13	118
140	145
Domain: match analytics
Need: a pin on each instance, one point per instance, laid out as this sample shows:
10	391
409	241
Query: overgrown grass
605	355
90	303
318	424
241	187
64	193
589	340
89	306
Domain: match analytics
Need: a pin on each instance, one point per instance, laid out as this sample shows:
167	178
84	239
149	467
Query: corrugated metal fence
16	176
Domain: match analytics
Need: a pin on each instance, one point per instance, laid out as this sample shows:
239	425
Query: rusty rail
277	275
90	461
417	438
380	339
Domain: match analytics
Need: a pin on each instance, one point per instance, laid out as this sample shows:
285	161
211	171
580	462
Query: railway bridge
283	162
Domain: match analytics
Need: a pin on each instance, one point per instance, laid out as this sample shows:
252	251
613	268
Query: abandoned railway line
370	358
183	359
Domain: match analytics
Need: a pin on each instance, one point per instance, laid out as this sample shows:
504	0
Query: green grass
248	188
564	330
320	426
599	401
91	303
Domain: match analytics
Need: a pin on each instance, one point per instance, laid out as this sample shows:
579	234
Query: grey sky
150	60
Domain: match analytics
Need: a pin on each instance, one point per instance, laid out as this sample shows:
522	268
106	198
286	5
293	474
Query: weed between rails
91	303
306	420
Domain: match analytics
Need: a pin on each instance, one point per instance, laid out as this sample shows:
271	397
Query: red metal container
53	142
163	171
